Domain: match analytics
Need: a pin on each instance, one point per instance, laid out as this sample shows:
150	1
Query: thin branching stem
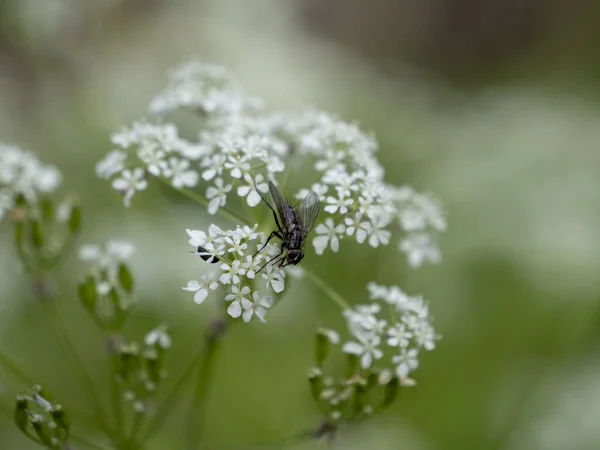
331	293
172	397
70	353
197	409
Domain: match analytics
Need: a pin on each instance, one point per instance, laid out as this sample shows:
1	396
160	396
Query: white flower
340	203
249	190
197	237
111	164
217	195
420	248
159	337
202	288
237	165
231	272
399	336
258	307
406	362
213	166
354	225
23	173
152	157
236	244
113	253
180	174
119	250
367	350
238	301
331	335
329	235
275	279
378	234
129	182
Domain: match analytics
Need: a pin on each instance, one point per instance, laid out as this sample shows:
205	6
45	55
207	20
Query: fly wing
286	214
308	211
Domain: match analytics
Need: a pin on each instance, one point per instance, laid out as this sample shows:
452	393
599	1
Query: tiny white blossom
406	362
129	182
239	301
237	165
332	335
354	225
217	195
329	235
378	234
158	336
398	336
275	279
258	307
339	203
249	190
235	244
231	272
180	173
111	164
420	248
367	350
202	288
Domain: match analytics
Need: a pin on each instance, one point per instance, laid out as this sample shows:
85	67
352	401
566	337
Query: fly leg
273	233
272	259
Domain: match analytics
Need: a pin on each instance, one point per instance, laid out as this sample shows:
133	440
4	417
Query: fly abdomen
296	239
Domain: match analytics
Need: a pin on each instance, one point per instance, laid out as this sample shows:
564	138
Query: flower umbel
239	147
386	337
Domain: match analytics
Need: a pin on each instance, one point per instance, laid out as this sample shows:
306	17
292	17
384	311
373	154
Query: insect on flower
294	227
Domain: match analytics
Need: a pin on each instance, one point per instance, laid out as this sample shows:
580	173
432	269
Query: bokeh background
491	105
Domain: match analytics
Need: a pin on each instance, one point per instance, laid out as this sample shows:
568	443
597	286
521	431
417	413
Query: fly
293	226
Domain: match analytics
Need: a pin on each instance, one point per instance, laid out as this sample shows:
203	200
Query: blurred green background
492	106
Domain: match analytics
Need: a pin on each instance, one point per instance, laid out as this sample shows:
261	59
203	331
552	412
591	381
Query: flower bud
321	347
20	416
125	278
74	222
351	364
315	378
153	364
128	360
60	418
41	428
88	293
390	392
37	234
47	209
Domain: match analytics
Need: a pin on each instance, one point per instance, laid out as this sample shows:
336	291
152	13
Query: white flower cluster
206	88
104	262
23	174
106	291
241	272
406	331
239	147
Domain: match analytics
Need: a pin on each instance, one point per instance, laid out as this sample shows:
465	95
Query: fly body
293	225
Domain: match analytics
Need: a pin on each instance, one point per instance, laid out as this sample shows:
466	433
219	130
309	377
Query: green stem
84	441
197	410
331	293
14	369
117	403
137	421
71	354
172	397
223	212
